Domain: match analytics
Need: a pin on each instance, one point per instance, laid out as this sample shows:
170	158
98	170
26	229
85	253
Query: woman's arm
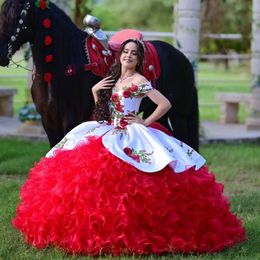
163	106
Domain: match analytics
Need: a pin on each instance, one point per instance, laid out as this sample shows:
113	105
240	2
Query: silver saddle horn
93	27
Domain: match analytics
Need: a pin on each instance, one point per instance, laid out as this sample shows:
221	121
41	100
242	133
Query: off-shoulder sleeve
144	88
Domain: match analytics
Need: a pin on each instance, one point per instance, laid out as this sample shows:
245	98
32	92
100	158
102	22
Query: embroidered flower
46	23
190	152
138	156
49	58
127	93
134	88
127	151
119	107
61	143
47	77
115	97
48	40
123	123
109	121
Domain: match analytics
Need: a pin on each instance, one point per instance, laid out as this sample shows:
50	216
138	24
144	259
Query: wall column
253	120
187	29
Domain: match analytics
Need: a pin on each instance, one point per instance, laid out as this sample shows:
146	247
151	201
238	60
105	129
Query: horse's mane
67	48
67	39
8	17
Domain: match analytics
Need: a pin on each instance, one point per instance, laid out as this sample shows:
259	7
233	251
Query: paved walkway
212	132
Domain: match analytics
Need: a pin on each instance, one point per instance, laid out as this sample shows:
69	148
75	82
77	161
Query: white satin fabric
146	148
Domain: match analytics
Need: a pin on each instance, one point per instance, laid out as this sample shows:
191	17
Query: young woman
118	186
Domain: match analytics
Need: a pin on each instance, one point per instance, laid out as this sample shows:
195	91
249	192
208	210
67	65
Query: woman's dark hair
101	111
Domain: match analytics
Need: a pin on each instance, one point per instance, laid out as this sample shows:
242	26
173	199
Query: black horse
65	101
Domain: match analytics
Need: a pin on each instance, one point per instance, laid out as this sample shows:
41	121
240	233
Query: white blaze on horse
69	61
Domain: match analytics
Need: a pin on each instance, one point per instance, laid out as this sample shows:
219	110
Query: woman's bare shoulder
139	79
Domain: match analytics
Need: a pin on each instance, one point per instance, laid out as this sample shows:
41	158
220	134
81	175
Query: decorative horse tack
19	28
101	53
101	58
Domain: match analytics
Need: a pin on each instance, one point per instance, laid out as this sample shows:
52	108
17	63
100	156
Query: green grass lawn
235	165
213	79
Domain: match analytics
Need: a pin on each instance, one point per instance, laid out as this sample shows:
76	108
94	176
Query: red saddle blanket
99	63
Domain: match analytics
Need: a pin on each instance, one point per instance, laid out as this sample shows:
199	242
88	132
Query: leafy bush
29	113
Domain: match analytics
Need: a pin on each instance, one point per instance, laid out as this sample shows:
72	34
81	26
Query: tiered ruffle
88	201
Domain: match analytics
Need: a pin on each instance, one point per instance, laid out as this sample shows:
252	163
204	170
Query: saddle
100	58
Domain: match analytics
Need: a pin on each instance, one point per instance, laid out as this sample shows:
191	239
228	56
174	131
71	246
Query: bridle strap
18	29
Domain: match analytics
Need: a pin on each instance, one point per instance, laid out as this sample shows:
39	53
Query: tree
155	15
81	8
225	17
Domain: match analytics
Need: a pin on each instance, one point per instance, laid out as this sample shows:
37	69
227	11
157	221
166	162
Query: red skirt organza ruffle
88	201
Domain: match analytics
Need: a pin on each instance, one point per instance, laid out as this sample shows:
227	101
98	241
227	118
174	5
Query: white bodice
126	100
146	148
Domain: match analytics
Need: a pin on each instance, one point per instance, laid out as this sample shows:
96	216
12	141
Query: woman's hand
105	83
133	118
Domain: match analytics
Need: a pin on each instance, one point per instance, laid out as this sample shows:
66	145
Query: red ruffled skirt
88	201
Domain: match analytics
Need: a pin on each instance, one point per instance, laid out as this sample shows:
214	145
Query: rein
16	63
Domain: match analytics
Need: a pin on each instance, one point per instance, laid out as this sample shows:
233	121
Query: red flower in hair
46	23
48	40
47	77
43	4
49	58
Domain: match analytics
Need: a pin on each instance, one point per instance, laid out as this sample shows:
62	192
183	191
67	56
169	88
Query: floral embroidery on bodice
125	101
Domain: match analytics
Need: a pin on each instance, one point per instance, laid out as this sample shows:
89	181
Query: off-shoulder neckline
131	84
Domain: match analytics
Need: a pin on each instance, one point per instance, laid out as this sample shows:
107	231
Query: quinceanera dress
114	188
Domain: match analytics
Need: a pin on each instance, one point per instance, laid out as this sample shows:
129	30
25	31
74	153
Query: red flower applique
119	107
109	121
49	58
134	88
43	4
47	77
114	97
138	156
46	23
127	150
48	40
123	123
127	93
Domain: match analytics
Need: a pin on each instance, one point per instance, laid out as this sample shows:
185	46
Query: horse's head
16	27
